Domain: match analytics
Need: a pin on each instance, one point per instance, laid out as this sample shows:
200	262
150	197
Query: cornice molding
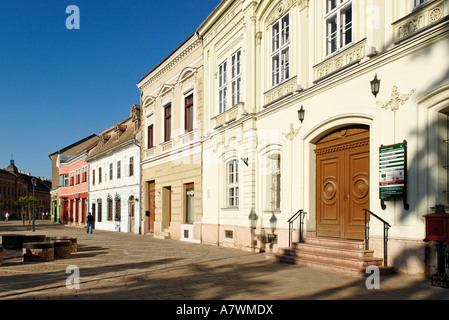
170	64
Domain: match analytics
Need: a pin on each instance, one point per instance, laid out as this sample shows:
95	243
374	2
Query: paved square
124	266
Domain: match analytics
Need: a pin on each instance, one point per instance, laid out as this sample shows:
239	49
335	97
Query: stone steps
336	255
163	235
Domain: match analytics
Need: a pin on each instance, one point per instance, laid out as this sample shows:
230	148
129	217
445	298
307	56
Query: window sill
277	211
280	91
230	209
420	19
167	145
150	152
236	112
340	60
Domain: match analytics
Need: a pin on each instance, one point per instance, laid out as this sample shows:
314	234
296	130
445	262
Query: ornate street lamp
375	86
301	114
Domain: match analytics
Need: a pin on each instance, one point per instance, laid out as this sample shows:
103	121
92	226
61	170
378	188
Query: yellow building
172	109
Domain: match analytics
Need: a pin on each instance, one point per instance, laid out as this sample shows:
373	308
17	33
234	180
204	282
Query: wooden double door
342	182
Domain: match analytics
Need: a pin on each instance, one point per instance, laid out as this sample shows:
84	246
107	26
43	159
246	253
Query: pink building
74	186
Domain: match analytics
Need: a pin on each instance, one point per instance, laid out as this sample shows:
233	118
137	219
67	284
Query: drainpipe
140	183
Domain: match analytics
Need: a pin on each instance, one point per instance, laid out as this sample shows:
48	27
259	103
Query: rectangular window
110	171
63	181
167	123
339	25
280	50
190	193
150	137
72	178
189	113
78	176
131	166
99	175
84	174
222	86
236	74
119	169
233	183
93	177
419	2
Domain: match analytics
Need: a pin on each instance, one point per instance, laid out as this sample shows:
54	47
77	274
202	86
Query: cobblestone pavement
115	266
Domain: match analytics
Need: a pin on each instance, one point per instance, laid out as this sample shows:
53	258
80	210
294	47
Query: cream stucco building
172	112
263	62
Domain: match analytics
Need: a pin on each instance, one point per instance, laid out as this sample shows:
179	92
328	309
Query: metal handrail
290	221
386	227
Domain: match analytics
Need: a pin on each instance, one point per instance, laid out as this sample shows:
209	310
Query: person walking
90	222
7	216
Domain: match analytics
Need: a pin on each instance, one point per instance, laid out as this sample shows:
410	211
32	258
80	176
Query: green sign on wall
392	170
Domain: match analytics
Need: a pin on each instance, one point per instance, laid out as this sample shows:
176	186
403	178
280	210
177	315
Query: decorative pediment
148	101
166	89
281	8
186	73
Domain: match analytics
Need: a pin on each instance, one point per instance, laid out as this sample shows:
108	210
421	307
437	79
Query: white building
114	184
264	61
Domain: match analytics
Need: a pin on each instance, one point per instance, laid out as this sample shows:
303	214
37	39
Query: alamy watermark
73	20
373	280
73	280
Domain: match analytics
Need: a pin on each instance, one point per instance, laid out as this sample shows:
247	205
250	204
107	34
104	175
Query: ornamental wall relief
396	100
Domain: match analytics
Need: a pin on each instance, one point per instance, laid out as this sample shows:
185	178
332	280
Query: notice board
393	172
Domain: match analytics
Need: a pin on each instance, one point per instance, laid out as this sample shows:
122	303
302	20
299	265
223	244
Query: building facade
56	158
73	192
172	112
14	184
264	61
114	184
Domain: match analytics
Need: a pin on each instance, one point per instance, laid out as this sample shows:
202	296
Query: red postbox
437	229
437	225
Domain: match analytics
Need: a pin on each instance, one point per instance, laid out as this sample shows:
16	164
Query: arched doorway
342	182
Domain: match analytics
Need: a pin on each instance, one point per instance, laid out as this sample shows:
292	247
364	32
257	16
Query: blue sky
58	86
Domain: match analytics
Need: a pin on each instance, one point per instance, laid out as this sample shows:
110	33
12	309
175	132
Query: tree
26	206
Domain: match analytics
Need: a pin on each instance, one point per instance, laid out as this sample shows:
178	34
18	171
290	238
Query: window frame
275	186
167	122
232	183
236	77
84	174
222	86
280	53
78	176
336	35
131	166
150	136
119	169
188	112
